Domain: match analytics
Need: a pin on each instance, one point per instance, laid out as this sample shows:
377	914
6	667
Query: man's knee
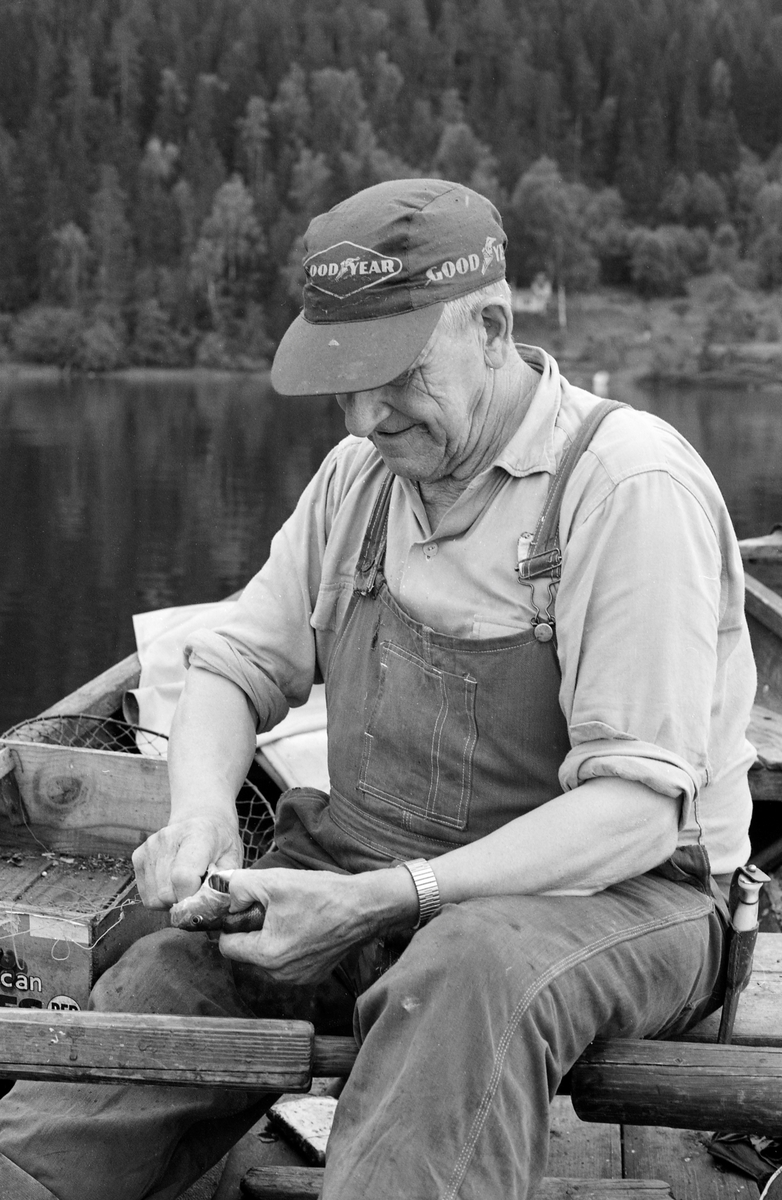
168	972
462	960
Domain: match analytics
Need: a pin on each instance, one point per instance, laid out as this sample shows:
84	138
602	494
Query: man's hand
314	917
171	863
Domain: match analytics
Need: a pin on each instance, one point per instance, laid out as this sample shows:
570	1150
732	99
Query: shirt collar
532	447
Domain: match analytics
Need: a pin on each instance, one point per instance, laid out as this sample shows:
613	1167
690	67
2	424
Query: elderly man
527	608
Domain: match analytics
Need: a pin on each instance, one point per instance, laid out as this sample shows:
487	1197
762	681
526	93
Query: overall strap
373	547
545	555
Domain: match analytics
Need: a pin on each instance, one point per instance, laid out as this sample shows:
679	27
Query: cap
379	268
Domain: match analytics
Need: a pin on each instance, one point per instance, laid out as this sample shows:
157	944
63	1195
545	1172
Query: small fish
206	908
246	920
209	908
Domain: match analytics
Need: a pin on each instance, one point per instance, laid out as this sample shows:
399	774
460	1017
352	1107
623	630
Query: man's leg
465	1040
90	1142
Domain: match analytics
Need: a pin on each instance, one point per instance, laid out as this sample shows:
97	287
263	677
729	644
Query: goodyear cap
379	268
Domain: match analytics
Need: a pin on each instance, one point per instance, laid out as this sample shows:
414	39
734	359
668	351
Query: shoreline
30	372
687	341
577	370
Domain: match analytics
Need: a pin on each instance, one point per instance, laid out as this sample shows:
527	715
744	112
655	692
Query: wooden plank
681	1157
102	695
764	785
684	1085
71	887
763	604
117	799
765	733
759	1017
761	549
16	877
305	1123
10	799
767	650
305	1183
581	1149
144	1048
7	764
333	1056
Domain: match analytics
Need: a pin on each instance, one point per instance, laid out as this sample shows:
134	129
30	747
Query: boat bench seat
691	1083
304	1183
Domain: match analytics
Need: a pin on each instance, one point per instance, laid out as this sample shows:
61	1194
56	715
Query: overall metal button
544	632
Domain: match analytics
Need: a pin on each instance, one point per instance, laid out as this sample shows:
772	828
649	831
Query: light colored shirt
658	677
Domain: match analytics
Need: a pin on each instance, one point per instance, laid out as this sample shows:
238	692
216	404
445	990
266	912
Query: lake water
119	496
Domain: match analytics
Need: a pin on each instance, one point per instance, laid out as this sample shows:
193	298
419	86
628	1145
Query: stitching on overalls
428	839
434	750
556	969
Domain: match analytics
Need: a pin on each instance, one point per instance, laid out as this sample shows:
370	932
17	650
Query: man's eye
402	380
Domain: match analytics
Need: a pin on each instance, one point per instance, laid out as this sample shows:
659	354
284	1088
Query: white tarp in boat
294	752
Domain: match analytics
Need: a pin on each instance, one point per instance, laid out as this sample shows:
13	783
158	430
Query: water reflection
123	496
739	434
119	496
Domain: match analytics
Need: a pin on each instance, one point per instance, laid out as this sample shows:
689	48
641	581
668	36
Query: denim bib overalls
435	741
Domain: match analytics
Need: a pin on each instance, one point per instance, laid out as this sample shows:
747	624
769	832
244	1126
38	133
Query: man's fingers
172	862
246	886
190	864
242	947
144	864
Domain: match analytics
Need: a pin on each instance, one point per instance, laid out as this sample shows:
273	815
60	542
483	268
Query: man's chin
400	461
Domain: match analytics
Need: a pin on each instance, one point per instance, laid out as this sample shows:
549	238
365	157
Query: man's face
425	423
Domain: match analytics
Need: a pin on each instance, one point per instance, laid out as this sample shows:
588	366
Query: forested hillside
159	159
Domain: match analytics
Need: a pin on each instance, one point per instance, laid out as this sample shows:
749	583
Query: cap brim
356	356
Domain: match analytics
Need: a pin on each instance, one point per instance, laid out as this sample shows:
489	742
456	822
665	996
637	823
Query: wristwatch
423	877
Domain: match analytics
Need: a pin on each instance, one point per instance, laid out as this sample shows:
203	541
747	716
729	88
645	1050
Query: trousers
463	1043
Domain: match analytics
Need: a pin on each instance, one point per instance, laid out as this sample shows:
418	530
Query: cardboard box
63	920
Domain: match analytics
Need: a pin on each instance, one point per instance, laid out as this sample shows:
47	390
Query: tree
227	256
546	228
111	245
657	266
155	341
254	134
48	334
71	254
720	144
462	157
766	247
706	205
608	233
158	228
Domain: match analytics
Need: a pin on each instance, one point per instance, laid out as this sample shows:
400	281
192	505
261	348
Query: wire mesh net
88	732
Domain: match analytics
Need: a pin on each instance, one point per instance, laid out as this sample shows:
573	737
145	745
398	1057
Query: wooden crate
63	920
70	819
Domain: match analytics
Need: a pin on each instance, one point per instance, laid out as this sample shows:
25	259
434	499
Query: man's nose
363	411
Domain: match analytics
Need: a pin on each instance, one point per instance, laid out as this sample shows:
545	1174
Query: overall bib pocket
420	740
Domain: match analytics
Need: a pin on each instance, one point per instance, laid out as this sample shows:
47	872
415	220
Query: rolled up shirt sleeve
648	614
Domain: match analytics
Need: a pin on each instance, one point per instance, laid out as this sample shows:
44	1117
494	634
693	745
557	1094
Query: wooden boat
90	800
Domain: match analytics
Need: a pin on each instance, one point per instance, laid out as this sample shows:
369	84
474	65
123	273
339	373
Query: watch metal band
423	877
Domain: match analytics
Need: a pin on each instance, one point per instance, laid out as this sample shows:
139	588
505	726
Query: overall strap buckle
545	555
373	549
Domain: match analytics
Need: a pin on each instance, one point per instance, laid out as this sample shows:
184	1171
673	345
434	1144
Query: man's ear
497	320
